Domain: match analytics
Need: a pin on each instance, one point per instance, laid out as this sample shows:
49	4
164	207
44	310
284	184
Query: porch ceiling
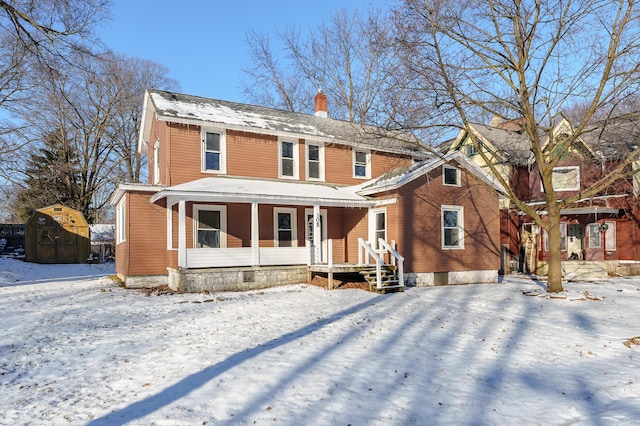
239	190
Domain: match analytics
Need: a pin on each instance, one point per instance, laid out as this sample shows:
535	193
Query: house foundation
430	279
234	279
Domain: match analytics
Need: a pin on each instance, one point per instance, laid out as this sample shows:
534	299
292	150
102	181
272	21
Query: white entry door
309	229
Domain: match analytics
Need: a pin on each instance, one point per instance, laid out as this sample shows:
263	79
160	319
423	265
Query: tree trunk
554	274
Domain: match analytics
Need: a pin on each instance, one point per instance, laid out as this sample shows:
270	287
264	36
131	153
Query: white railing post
330	254
397	258
371	252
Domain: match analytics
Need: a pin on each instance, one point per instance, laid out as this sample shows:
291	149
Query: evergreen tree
51	177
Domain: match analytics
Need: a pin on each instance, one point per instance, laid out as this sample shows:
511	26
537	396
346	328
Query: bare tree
129	78
349	58
529	60
95	108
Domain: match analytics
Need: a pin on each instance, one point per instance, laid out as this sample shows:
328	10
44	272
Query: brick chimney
321	104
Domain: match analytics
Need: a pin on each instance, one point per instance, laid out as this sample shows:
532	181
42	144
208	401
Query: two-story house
241	196
600	231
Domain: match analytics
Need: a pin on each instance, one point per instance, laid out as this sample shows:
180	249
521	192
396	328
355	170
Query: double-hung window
288	159
210	226
213	151
361	163
452	227
285	227
315	161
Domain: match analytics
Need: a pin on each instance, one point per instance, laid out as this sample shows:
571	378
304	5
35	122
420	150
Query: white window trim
296	158
294	225
121	221
156	162
368	165
460	226
372	225
448	167
223	151
611	231
591	245
223	222
577	168
320	146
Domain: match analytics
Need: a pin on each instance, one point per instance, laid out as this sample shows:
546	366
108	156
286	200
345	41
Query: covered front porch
254	233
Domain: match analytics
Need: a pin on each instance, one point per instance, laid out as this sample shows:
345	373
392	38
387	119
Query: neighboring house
246	197
600	232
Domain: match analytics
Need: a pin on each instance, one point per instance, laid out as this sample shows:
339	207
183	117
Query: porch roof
263	191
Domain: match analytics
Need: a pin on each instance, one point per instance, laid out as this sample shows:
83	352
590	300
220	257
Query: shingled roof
614	138
188	109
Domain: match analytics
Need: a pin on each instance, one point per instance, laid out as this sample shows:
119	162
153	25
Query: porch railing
396	258
243	256
365	248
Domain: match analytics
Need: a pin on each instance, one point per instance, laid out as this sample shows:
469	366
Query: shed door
56	244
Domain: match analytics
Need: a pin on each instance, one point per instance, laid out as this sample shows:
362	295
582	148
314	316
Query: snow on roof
399	177
188	109
231	189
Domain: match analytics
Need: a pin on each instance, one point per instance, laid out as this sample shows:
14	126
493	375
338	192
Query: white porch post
182	235
317	236
255	235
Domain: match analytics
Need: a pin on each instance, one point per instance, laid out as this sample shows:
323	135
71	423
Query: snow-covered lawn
77	349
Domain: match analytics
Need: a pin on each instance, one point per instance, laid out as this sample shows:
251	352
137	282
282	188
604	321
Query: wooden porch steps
389	279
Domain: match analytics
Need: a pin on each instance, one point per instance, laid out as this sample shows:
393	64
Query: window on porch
563	237
210	226
285	227
380	227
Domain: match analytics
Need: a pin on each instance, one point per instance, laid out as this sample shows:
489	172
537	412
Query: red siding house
241	197
600	234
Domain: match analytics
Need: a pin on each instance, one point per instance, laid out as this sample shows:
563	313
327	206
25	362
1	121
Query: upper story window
315	161
361	163
210	226
566	178
156	162
288	159
214	151
450	175
452	227
470	149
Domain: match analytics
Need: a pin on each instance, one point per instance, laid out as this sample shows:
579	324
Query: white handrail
363	245
395	257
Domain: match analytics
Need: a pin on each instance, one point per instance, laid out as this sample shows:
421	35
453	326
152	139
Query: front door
575	242
320	255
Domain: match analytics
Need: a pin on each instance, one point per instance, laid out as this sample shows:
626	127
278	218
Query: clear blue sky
201	42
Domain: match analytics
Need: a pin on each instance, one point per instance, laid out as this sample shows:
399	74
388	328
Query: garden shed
57	234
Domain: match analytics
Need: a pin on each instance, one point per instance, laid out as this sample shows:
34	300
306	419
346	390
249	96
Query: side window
285	227
452	227
610	236
379	226
315	161
565	178
121	221
210	226
450	175
288	159
213	152
361	164
156	162
594	235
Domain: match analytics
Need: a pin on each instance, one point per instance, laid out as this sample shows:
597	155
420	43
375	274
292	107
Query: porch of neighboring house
273	239
595	244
